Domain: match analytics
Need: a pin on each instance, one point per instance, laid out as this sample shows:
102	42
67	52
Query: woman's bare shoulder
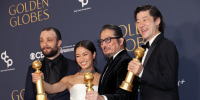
68	78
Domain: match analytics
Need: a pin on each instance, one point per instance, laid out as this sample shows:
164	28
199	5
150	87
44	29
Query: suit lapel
101	78
64	68
107	70
151	49
148	54
105	73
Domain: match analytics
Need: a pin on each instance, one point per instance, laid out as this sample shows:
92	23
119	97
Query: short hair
154	12
117	31
54	30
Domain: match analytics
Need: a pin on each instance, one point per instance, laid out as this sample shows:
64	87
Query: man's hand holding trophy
41	95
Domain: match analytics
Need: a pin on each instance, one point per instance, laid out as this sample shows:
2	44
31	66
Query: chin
107	55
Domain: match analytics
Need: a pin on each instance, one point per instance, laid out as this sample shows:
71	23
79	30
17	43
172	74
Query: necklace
85	71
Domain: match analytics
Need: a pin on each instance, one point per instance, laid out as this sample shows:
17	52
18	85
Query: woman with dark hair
85	55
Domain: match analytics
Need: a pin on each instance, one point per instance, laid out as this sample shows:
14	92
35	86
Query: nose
140	25
81	59
43	43
103	44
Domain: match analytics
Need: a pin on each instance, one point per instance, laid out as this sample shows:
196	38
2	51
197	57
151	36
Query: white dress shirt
145	53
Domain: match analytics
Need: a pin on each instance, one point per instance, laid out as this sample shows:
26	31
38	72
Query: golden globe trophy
88	77
127	83
41	95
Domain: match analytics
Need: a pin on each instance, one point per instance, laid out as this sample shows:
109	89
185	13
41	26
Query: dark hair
88	45
153	11
117	31
54	30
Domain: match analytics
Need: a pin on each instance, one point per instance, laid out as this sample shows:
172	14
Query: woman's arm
52	88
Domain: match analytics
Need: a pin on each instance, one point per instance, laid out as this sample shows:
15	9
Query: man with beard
54	66
113	46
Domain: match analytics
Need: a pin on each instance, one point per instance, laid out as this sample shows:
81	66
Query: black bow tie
146	45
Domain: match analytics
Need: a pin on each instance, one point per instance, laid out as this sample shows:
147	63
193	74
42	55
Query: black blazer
115	74
160	74
69	67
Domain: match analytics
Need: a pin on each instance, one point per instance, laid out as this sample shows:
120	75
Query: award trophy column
127	83
88	77
41	95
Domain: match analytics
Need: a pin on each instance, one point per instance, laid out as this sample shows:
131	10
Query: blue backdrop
23	20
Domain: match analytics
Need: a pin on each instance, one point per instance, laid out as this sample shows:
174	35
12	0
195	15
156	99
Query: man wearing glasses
113	46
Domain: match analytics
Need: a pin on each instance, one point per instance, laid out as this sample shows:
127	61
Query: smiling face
115	45
49	45
85	58
147	26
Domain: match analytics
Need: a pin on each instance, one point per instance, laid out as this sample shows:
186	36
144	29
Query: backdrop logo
132	43
83	3
28	12
181	82
65	49
36	55
17	94
40	55
7	60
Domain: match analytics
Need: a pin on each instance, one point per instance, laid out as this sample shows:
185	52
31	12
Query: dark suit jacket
115	74
160	74
69	67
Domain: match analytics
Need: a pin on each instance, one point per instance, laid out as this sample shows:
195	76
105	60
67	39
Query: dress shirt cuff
140	75
105	98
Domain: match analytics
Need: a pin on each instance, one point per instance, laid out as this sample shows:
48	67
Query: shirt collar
151	41
117	53
55	61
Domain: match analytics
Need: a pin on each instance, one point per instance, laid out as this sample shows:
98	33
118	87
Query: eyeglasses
107	40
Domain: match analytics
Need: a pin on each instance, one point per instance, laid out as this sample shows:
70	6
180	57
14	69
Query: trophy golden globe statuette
41	95
127	83
88	77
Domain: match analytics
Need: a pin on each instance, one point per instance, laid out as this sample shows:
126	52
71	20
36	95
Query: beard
108	55
51	53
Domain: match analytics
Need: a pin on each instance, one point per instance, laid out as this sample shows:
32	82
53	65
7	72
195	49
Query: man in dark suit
158	72
113	46
50	42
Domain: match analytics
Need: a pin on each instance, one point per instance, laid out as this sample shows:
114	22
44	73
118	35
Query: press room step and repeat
23	20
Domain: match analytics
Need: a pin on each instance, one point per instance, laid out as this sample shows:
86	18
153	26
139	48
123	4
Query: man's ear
121	41
158	21
59	43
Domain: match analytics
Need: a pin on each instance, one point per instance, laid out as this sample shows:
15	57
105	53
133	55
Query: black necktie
52	75
146	45
47	71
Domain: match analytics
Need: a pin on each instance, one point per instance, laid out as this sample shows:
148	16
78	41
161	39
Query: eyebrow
104	38
144	17
83	53
108	37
